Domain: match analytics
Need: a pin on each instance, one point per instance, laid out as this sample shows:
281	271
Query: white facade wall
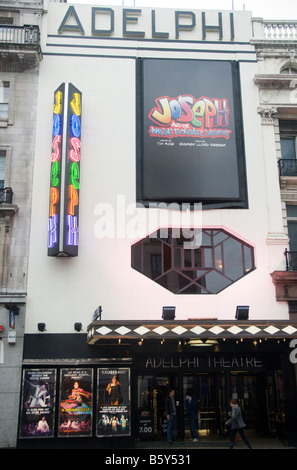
62	291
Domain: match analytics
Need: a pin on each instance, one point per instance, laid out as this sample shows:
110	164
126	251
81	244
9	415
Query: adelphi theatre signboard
146	23
201	363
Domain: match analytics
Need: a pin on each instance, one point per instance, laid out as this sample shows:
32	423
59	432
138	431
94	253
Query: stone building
20	55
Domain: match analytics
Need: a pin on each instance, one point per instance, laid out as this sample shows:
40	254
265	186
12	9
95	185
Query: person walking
192	407
170	409
236	424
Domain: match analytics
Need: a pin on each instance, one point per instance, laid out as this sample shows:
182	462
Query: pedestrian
192	407
236	424
170	409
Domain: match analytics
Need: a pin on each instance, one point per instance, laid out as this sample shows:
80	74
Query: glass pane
145	391
248	259
156	265
215	282
218	237
197	259
166	257
218	258
152	255
232	259
288	149
206	239
136	258
3	111
292	232
177	257
4	99
188	258
173	281
207	257
2	167
291	211
194	289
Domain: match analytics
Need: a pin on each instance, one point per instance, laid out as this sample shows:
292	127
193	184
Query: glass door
275	403
209	391
244	390
151	394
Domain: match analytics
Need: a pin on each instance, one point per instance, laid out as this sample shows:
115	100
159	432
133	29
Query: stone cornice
274	82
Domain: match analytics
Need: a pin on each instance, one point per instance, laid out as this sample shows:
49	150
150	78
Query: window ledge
285	285
8	209
3	122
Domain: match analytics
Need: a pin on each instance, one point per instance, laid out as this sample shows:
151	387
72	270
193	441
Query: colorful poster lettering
63	222
76	403
190	146
38	403
113	402
56	172
72	172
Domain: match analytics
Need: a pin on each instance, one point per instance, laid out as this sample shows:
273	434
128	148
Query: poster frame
113	418
39	398
143	200
75	409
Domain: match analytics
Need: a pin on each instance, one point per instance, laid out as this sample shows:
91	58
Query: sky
267	9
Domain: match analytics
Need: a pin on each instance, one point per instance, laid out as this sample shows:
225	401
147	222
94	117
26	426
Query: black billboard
190	144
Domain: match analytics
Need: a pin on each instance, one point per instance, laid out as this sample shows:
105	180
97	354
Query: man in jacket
170	409
236	424
192	407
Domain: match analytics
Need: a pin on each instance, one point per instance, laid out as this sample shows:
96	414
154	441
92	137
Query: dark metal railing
6	195
20	35
287	167
291	260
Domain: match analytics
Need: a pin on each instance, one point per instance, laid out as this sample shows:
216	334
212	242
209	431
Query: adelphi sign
160	24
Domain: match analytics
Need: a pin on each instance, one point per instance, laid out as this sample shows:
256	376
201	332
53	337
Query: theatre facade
159	236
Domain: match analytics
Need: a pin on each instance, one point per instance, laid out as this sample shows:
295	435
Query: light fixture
168	313
77	326
201	343
41	326
242	312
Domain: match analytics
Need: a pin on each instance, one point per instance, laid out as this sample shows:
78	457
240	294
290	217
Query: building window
6	20
219	260
288	142
289	70
292	226
2	168
4	100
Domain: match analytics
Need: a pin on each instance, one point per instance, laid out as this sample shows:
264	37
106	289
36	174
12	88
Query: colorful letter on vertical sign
55	175
63	225
72	172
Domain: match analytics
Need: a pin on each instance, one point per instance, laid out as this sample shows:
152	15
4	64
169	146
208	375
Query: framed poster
190	146
76	402
38	403
113	402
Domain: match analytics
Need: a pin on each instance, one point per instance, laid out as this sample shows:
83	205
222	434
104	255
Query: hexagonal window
206	263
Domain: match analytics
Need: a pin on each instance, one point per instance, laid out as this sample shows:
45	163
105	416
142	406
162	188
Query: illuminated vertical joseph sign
63	222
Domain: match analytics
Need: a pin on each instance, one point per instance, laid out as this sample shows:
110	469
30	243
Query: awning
190	329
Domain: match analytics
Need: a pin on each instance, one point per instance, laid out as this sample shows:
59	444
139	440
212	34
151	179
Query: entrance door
209	390
152	392
275	404
249	391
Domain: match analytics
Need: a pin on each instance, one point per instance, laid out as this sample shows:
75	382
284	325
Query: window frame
11	101
214	272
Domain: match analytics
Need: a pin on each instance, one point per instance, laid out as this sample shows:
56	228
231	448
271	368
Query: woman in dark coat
236	424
